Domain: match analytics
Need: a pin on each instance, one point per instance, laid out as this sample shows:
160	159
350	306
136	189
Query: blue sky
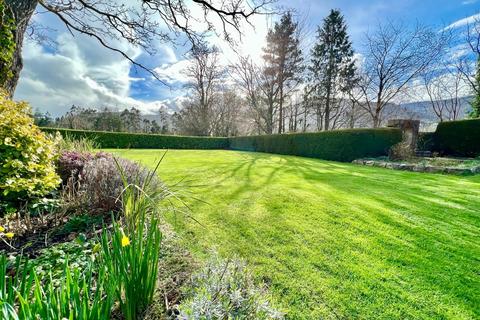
81	72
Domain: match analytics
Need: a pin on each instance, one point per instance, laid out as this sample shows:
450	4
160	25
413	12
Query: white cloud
173	73
250	42
463	22
79	72
459	51
467	2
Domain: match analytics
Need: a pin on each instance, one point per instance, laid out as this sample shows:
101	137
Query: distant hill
423	111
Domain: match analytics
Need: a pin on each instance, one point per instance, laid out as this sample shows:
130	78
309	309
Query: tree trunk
378	107
269	123
280	120
327	111
305	117
376	117
22	12
352	116
319	118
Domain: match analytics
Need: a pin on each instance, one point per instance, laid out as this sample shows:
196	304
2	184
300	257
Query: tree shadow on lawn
356	239
428	237
360	180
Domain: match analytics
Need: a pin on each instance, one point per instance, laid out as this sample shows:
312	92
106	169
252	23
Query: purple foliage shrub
71	163
101	183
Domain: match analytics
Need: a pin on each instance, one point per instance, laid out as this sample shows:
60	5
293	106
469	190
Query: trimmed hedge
426	141
338	145
458	138
144	141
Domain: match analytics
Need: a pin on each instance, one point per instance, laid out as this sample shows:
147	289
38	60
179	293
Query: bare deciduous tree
140	22
260	89
394	57
445	93
469	65
228	113
206	74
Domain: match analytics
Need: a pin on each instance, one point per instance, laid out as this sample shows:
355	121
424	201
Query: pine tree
284	61
332	66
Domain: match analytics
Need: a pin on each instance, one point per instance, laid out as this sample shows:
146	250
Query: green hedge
338	145
426	141
458	138
144	141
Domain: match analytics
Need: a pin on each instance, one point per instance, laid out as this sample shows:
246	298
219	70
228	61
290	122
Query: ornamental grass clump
83	294
131	261
131	254
10	286
79	144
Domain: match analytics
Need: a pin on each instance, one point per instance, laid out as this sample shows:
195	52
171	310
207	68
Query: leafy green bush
338	145
143	141
224	289
458	138
27	155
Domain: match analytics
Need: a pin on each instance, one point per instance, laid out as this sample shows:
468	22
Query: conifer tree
332	67
284	61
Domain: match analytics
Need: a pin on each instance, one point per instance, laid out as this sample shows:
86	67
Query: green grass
335	240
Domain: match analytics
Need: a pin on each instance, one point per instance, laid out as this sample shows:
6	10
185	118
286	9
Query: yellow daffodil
9	235
96	248
125	241
2	229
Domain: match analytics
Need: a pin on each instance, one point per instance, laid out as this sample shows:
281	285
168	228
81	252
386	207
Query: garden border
418	167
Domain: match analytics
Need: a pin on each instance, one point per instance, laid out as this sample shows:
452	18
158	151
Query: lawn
336	240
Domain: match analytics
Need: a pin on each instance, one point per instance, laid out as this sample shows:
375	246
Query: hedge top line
331	132
453	122
92	132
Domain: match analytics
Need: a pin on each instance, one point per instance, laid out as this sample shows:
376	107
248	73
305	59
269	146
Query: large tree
205	74
260	89
139	22
284	61
469	66
395	56
332	64
444	87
